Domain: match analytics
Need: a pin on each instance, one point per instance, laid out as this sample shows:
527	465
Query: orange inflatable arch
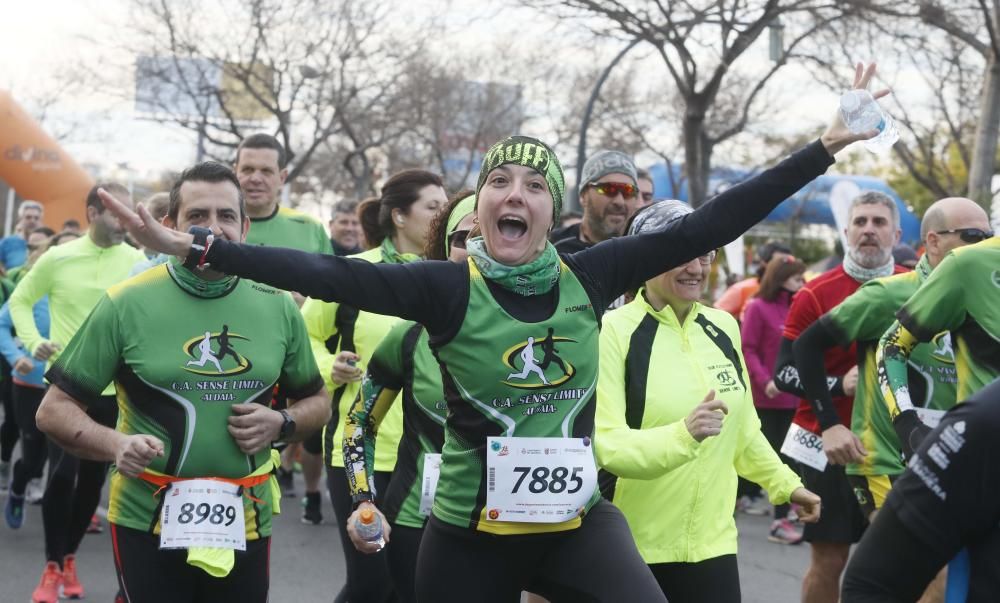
34	165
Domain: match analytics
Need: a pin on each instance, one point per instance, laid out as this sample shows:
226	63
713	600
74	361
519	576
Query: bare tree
700	44
974	24
307	70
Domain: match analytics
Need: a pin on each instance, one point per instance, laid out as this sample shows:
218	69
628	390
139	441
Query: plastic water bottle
861	114
369	526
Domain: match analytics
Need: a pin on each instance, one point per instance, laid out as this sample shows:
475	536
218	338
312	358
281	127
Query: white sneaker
34	491
4	476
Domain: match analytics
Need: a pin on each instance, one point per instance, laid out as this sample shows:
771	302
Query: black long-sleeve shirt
435	293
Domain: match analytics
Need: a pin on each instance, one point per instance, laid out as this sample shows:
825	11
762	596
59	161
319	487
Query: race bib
930	416
429	483
805	447
539	480
202	512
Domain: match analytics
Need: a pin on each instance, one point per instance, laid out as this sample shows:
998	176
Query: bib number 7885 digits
540	480
554	481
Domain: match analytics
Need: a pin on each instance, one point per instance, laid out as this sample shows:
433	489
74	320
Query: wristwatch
287	428
203	238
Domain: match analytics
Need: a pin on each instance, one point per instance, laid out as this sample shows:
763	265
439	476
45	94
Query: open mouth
512	227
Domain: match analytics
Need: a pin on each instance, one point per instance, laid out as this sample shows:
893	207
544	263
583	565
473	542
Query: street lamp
581	149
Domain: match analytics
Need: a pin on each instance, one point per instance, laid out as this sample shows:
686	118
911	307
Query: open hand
145	230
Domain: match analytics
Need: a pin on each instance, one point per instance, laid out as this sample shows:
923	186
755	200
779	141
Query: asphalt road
307	563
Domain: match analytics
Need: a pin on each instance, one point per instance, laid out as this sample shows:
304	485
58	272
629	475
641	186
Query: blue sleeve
8	348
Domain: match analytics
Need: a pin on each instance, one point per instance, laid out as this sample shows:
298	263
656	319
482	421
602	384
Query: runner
872	230
684	430
262	168
946	501
471	549
343	340
173	540
871	449
404	362
74	276
962	296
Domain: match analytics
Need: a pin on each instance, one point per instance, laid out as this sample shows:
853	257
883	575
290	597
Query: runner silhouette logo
535	363
213	354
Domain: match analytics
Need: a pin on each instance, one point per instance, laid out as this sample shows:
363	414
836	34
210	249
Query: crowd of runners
503	403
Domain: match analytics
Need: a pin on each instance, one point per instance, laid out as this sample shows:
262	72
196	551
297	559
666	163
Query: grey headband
658	215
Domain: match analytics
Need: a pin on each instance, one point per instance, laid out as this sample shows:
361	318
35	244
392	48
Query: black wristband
199	247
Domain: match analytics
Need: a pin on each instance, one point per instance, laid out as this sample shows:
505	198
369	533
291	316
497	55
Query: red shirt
815	299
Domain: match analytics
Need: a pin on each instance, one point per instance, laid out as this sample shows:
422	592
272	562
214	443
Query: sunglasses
969	235
456	238
611	189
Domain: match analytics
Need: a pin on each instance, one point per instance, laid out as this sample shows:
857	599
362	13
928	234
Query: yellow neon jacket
677	494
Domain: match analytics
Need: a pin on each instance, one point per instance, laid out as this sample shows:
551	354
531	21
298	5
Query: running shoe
784	532
13	511
34	492
286	479
4	475
311	512
71	587
47	590
753	505
95	526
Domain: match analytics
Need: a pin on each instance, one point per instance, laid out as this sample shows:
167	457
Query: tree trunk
984	151
697	155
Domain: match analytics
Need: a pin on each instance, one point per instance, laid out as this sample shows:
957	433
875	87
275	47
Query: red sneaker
71	587
47	590
95	526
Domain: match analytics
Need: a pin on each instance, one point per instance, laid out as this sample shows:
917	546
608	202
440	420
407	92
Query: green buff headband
532	153
463	208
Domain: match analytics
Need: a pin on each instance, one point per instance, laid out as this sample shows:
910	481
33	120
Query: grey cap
606	162
658	215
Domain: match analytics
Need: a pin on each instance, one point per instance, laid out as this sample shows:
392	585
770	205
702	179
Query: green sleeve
299	376
320	323
323	243
939	304
864	315
34	285
627	452
891	355
379	388
91	359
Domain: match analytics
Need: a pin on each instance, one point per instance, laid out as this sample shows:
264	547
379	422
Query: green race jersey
541	379
179	359
290	228
863	318
962	296
403	362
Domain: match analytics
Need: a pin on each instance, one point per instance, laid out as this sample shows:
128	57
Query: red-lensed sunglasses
611	189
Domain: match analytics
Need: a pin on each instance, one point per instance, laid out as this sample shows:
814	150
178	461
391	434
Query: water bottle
369	526
861	114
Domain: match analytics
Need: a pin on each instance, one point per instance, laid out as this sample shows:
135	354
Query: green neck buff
923	268
391	256
534	278
197	286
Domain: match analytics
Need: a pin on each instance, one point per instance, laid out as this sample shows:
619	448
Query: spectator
345	228
14	249
761	332
645	189
734	300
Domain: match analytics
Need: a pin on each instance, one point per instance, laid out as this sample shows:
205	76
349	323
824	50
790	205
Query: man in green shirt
962	296
871	449
194	356
262	167
74	276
